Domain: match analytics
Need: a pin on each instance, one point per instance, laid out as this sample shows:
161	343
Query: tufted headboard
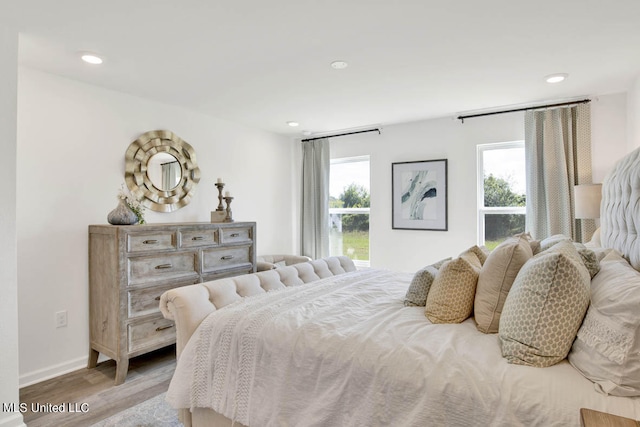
189	305
620	208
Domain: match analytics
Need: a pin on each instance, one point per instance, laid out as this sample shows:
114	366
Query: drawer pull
227	257
162	328
149	242
234	234
163	266
157	298
197	238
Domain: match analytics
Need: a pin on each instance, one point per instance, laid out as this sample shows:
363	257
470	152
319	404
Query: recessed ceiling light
556	78
293	124
91	58
339	65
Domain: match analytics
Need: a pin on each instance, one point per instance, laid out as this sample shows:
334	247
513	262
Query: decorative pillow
419	288
280	264
551	241
535	244
545	307
589	258
496	277
481	252
450	299
607	349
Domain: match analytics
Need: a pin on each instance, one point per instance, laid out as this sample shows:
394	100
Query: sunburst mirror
161	170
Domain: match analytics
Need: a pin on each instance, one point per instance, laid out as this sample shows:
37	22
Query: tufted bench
189	305
270	262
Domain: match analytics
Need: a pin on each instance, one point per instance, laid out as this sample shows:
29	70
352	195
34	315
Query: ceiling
263	63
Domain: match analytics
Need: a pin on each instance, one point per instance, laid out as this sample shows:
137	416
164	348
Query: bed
325	344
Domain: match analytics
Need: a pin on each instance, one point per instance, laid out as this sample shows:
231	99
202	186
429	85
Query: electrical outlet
61	319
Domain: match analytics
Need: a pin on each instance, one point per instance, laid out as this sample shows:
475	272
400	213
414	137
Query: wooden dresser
131	266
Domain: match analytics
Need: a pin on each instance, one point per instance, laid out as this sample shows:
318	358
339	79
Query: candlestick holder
229	217
220	214
220	186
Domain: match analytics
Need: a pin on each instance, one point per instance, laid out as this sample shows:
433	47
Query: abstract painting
419	195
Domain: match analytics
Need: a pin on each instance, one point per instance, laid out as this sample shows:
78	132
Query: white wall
608	133
633	116
71	143
409	250
8	252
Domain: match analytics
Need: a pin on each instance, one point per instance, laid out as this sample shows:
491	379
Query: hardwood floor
149	375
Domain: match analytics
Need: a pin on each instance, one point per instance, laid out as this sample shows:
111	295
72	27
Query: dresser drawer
221	274
197	238
162	267
147	300
223	258
153	333
236	235
156	241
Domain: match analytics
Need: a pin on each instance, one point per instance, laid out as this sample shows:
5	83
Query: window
501	192
349	203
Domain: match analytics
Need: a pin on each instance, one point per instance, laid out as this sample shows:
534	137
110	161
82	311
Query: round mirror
164	171
161	170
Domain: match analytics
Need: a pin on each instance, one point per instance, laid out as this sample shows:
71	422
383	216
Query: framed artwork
419	195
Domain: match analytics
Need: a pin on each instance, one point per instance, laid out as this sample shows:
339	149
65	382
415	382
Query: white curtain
315	198
170	175
558	156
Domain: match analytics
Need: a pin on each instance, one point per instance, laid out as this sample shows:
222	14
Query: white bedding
344	351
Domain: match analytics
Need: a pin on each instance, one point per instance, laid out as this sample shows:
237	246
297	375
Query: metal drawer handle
163	266
162	328
227	257
235	235
157	298
197	238
149	242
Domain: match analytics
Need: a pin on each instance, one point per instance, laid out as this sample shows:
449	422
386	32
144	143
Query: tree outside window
349	205
501	189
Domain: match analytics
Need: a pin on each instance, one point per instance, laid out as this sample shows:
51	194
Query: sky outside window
345	173
508	164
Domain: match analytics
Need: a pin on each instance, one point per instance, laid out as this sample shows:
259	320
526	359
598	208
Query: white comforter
344	351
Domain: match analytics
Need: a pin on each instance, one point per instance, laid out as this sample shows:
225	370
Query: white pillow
607	349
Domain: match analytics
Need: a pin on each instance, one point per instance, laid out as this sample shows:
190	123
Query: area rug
154	412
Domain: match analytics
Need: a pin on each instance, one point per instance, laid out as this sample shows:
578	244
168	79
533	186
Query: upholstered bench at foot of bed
187	306
271	262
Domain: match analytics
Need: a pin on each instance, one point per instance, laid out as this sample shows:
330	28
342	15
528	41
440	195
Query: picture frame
419	195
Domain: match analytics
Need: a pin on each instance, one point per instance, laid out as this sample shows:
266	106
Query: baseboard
51	372
12	420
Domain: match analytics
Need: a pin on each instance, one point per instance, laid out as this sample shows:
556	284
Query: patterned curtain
558	156
316	164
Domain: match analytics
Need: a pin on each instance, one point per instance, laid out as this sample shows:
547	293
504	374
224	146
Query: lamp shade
587	200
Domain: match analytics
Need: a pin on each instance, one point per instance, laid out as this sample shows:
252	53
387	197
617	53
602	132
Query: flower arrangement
133	204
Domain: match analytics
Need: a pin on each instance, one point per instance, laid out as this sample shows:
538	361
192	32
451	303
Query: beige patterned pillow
550	241
496	277
545	307
451	296
421	283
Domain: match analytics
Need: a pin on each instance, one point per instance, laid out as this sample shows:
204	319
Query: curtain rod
343	134
582	101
